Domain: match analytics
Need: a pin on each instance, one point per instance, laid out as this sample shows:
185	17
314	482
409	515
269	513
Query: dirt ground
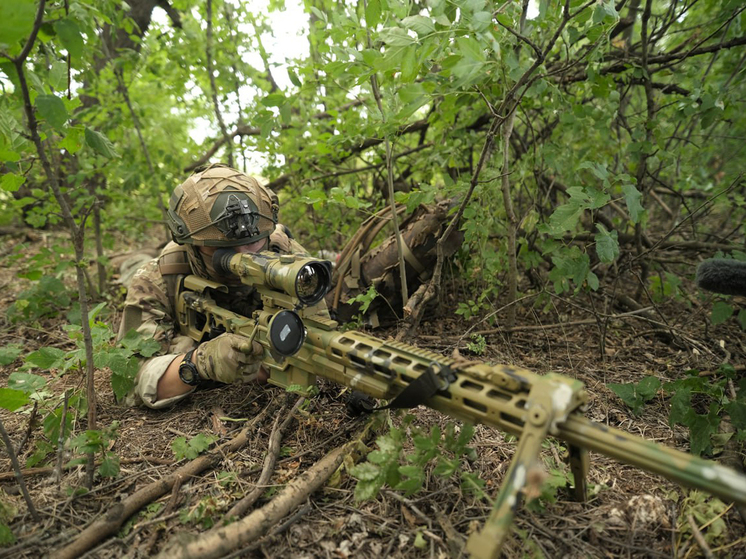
630	513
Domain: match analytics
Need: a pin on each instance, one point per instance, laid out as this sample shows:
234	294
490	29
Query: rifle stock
508	398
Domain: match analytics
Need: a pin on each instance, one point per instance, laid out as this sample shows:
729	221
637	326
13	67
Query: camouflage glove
225	358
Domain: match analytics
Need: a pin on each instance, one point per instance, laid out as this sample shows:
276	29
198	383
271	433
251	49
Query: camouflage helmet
222	207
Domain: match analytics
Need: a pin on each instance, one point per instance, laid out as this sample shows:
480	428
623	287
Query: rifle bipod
549	402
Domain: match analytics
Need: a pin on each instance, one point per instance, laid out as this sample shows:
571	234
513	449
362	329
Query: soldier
215	207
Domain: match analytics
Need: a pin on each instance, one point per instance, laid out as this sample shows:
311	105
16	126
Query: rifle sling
421	389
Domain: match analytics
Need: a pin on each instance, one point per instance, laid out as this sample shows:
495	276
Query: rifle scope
303	278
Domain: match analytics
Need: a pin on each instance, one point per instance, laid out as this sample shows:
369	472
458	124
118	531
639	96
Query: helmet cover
221	207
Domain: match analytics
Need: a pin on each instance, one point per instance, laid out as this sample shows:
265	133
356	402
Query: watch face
188	373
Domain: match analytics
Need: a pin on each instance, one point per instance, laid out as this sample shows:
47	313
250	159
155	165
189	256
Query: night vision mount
239	220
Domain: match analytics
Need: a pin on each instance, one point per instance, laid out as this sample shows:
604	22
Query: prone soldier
215	207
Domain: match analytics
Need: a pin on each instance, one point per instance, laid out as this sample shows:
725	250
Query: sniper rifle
302	342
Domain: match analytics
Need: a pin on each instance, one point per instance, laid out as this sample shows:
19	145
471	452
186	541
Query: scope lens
311	283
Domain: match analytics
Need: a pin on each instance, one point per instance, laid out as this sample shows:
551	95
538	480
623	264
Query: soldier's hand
227	357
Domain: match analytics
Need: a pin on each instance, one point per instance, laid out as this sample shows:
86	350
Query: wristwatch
188	371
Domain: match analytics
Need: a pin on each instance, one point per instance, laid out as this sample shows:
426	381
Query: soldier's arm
148	312
170	384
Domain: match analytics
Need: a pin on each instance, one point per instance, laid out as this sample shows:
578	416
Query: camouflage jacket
149	310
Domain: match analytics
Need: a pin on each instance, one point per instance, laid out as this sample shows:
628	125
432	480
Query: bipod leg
578	459
487	543
549	402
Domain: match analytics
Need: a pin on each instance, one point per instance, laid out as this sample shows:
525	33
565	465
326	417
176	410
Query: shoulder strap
173	264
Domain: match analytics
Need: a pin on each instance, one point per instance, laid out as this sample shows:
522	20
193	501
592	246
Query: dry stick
110	522
390	183
507	131
300	513
512	220
29	427
172	502
699	538
273	450
651	109
223	541
17	470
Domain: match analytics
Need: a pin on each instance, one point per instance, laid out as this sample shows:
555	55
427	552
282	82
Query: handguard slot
475	405
497	395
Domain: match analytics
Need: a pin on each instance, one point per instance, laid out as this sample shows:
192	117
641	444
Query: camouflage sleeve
148	311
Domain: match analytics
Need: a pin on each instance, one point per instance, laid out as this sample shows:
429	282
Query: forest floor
630	513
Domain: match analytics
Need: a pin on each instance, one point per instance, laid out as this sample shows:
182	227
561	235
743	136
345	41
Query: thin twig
17	470
61	440
699	538
273	449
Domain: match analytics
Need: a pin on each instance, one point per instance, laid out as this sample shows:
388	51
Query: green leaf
9	353
121	385
58	75
294	78
680	405
409	67
366	490
365	471
566	217
10	182
69	34
607	244
396	37
6	535
373	13
109	466
26	382
274	100
481	20
409	485
52	109
419	24
100	143
140	344
445	467
505	20
180	447
737	412
46	358
72	141
419	541
16	22
11	399
648	387
411	471
470	49
624	391
701	428
378	457
632	197
721	311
